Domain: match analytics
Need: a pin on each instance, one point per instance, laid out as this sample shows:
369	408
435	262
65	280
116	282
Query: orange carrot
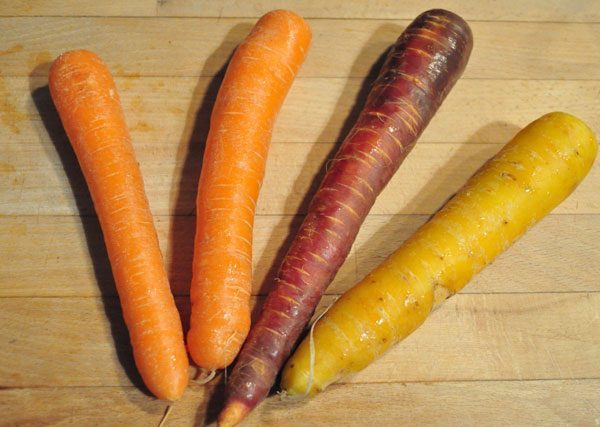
86	98
256	82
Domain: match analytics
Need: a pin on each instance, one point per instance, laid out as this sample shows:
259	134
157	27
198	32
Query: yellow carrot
530	176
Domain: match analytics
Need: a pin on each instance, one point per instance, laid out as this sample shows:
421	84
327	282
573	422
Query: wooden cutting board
521	344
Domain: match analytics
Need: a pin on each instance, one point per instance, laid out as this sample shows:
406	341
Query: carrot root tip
204	376
232	414
163	420
283	395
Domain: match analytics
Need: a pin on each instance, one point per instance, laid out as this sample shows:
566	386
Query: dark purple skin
418	73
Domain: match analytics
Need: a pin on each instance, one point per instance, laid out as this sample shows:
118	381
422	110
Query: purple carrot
418	73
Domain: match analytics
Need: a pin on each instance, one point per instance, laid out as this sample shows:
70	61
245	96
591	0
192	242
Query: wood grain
51	256
201	46
494	403
171	110
35	182
83	341
486	10
81	8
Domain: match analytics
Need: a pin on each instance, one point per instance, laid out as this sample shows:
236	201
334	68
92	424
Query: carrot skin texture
530	176
87	101
418	73
254	87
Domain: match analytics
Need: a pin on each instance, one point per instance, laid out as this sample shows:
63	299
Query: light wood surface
478	337
345	48
52	248
521	344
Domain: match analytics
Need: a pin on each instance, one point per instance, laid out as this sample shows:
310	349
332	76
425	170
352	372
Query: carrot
419	71
530	176
254	87
87	101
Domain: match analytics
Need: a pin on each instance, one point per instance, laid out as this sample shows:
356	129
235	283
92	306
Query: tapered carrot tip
232	414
